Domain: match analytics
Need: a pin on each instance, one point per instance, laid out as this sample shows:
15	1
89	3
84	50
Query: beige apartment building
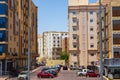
52	43
110	37
110	28
82	22
14	34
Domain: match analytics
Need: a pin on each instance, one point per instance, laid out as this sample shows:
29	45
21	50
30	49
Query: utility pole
101	55
29	9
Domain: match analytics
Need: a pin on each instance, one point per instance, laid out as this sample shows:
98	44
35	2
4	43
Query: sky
53	15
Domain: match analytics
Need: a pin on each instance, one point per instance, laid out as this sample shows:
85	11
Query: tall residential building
40	45
14	34
110	29
52	43
110	37
82	23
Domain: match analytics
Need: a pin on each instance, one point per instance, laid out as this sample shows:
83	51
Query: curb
106	78
34	70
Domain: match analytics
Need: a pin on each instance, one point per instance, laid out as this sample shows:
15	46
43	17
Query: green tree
64	56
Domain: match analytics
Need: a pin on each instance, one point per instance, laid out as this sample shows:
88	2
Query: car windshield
22	73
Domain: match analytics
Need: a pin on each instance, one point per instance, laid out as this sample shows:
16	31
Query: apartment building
111	36
52	43
14	34
82	23
40	45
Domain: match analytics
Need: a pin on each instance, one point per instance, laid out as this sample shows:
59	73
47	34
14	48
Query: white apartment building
82	23
40	45
51	41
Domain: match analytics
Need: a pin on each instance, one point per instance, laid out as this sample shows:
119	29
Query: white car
83	72
23	75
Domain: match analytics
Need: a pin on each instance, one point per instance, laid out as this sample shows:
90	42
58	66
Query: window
3	22
10	26
10	37
92	46
4	0
91	37
74	45
74	12
22	4
3	48
11	14
74	28
74	37
74	20
16	23
91	12
14	50
3	35
92	54
14	39
91	20
3	9
91	29
12	4
74	54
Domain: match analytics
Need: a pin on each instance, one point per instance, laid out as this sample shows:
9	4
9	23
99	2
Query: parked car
23	75
81	67
83	72
45	74
46	68
92	74
72	67
65	68
52	72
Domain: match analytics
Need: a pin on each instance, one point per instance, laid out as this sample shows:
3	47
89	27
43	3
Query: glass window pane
3	9
3	22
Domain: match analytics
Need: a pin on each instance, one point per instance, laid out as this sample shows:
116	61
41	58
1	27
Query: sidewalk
105	78
7	77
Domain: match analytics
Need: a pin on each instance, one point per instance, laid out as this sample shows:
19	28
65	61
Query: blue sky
52	15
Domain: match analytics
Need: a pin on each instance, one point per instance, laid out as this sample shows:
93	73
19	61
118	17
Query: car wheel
80	75
98	75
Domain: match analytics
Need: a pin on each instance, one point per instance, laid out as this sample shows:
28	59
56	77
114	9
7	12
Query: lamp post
101	55
29	9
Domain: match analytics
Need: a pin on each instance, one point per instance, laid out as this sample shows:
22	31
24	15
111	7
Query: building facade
65	44
82	23
110	29
110	37
40	45
52	43
14	34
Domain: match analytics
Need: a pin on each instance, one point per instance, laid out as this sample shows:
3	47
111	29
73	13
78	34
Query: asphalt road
62	75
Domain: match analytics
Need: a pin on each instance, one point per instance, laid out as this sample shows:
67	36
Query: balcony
116	25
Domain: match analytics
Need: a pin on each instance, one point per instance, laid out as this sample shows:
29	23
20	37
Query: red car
92	74
45	74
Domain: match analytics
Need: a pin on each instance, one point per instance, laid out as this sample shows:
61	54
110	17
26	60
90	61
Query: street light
101	55
29	9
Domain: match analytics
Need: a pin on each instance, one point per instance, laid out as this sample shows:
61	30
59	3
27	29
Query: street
62	75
